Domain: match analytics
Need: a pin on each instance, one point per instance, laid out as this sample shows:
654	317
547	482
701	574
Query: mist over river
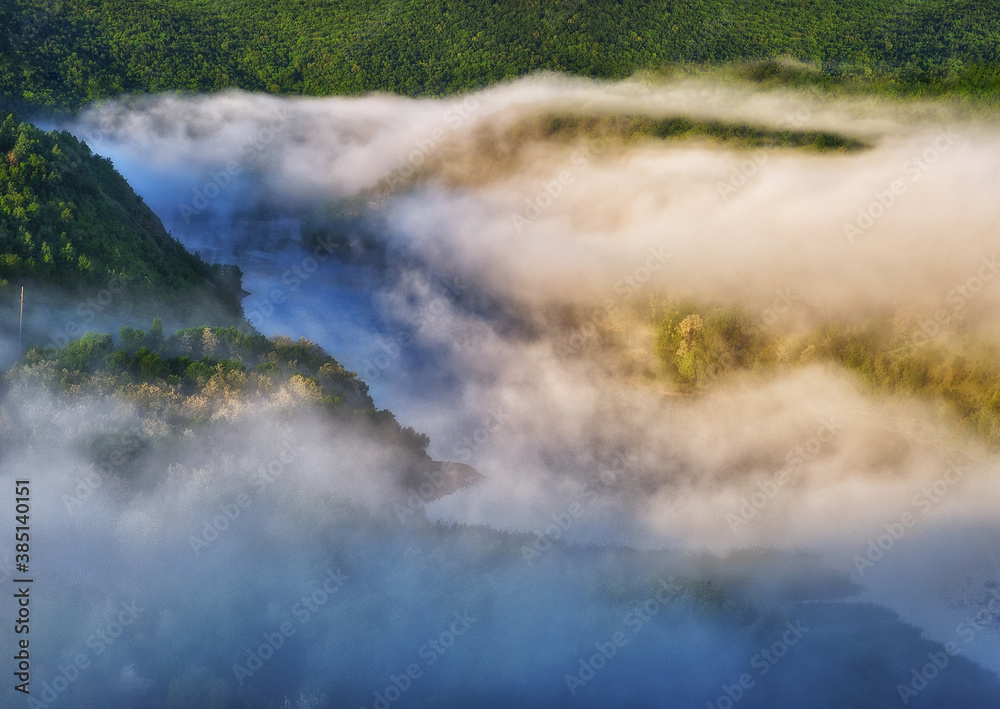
627	545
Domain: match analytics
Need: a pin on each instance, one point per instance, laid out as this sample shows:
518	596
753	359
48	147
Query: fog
268	559
494	291
737	224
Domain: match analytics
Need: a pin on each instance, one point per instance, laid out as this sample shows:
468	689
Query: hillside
61	55
68	218
207	379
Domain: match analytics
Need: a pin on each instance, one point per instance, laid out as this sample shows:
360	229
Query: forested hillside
58	55
200	377
68	218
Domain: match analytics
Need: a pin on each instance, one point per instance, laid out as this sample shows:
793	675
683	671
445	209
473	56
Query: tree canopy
67	217
59	55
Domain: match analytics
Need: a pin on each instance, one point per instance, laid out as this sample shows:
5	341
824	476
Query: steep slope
68	218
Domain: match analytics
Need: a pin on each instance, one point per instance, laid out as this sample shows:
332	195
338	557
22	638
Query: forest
201	376
58	55
68	218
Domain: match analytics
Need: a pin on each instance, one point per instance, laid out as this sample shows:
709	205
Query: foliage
203	374
963	372
59	55
698	344
630	128
84	354
68	217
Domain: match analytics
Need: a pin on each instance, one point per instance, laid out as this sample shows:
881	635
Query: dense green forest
698	344
59	54
68	218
